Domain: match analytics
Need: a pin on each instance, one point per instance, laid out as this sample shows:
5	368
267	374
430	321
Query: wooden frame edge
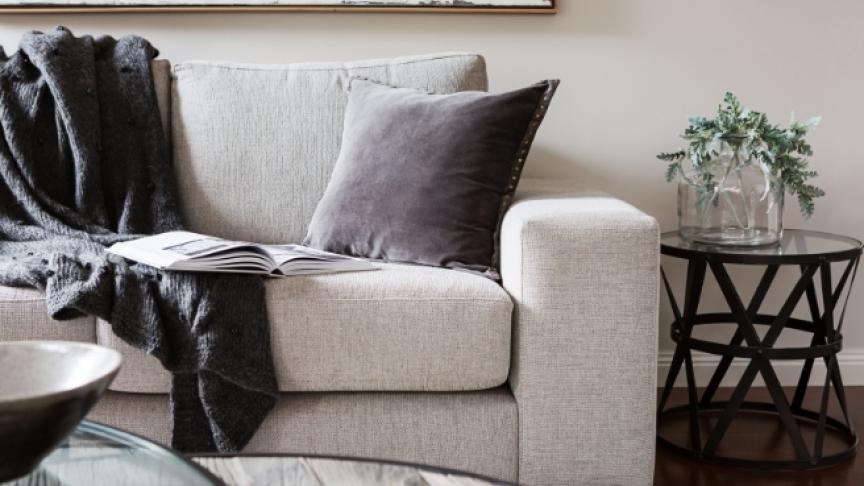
271	8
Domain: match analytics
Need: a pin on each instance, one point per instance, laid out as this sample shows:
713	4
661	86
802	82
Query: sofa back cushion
253	145
161	70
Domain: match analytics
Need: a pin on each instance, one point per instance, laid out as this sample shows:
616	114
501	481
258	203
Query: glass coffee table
97	454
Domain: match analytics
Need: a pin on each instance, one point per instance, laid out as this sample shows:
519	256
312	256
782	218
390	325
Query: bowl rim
29	401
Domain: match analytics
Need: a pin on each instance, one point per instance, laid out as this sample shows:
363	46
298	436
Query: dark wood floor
751	435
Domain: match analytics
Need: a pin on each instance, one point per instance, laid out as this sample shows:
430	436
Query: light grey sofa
548	379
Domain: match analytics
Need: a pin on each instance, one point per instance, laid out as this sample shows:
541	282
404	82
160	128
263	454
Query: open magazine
192	252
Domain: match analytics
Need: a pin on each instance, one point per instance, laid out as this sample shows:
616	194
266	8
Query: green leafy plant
779	152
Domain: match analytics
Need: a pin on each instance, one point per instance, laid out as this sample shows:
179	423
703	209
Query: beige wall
632	72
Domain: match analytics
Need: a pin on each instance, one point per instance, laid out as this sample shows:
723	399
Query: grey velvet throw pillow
425	178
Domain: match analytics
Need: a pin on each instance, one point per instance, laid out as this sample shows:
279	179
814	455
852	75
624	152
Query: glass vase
730	200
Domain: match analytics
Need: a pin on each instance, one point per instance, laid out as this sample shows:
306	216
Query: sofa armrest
582	268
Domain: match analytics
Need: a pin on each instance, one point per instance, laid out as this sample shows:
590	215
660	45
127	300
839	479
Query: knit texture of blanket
84	163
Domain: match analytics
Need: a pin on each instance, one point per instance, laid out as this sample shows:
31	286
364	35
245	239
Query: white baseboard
851	367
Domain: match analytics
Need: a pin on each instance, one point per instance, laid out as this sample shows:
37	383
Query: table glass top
96	455
793	243
291	470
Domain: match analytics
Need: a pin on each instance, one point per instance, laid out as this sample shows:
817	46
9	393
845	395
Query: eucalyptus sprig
782	152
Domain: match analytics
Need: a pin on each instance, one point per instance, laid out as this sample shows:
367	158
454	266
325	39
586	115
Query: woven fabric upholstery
582	268
254	145
400	328
470	431
24	317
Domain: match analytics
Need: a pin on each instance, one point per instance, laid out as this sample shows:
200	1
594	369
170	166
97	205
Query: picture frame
369	6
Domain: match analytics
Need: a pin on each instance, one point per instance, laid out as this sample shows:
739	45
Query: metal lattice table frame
826	342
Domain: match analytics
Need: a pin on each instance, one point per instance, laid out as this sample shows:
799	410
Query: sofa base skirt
470	431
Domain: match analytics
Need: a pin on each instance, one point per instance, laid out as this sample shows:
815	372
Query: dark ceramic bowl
46	388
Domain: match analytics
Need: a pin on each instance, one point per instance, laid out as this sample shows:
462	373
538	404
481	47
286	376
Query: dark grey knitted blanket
84	163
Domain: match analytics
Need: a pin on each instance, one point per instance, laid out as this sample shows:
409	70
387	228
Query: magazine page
178	249
285	253
302	260
193	252
189	245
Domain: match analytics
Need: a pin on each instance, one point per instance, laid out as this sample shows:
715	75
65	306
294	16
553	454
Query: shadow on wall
545	162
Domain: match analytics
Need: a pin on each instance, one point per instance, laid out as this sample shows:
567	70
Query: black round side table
813	253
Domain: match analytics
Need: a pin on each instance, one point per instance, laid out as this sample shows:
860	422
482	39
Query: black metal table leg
752	310
762	352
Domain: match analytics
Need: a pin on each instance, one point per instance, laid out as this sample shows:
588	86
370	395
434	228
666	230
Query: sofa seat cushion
24	317
398	328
